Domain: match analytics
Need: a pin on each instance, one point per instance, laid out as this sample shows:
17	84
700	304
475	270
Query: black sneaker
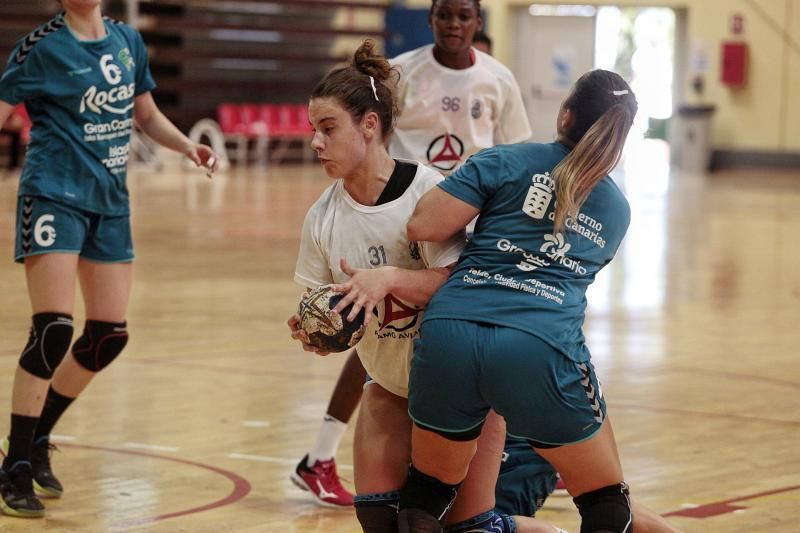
16	492
44	481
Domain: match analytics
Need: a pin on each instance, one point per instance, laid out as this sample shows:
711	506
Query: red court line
724	506
241	487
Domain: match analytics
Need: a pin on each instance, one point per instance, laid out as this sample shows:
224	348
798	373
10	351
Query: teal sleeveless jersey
79	95
516	270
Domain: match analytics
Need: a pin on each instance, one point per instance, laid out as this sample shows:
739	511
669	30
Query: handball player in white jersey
453	101
354	236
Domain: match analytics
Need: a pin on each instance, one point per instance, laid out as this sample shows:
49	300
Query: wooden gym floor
694	330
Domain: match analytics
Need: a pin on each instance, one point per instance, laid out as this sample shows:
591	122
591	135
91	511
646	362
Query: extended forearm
417	286
161	130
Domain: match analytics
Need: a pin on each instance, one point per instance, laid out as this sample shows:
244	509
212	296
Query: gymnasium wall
762	117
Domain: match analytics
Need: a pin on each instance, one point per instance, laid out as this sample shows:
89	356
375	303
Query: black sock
20	439
54	407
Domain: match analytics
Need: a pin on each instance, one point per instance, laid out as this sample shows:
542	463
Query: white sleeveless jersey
338	227
447	115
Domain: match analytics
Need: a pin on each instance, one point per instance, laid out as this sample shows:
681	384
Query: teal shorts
525	480
46	227
461	369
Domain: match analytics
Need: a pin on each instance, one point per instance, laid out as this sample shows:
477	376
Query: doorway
555	44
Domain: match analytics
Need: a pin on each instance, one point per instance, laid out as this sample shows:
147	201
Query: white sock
328	439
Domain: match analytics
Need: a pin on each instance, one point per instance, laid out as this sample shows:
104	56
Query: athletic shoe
561	488
44	481
16	492
322	481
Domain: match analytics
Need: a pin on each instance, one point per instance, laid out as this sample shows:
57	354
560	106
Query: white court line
151	447
63	438
256	423
263	458
277	460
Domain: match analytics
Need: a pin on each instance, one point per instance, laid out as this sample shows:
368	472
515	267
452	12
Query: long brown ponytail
603	107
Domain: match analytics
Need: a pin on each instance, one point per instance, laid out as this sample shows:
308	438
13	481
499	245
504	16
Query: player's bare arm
438	216
158	127
368	287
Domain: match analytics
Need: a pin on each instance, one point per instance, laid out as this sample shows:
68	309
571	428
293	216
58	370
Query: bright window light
549	10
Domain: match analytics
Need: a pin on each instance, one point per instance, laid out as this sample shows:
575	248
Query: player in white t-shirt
454	99
497	116
371	235
354	236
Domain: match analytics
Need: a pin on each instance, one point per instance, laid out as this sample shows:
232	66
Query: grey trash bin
691	138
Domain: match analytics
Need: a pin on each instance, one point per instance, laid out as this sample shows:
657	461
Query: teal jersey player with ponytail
504	332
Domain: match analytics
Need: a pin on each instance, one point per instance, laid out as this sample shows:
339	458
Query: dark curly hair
476	2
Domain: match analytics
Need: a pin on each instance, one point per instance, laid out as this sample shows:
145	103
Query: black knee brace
417	521
100	344
48	342
377	513
606	510
490	521
424	502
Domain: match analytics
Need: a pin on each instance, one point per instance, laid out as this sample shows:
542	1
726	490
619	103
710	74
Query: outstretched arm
368	287
158	127
438	216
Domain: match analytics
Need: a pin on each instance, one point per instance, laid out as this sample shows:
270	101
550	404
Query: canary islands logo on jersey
445	151
125	58
539	197
555	246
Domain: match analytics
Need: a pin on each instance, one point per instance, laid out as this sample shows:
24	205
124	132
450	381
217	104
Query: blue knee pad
48	342
606	510
377	513
488	522
100	344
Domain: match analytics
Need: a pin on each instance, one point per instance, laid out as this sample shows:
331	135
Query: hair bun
368	61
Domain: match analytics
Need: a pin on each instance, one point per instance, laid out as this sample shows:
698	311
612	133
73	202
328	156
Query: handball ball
328	331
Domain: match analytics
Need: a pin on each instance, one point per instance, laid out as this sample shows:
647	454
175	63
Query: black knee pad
48	342
417	521
428	494
490	521
100	344
377	513
606	510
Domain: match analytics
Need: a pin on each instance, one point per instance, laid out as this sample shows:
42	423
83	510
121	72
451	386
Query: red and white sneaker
322	481
561	488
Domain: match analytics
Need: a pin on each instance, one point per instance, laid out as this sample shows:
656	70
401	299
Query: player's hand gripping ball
327	330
